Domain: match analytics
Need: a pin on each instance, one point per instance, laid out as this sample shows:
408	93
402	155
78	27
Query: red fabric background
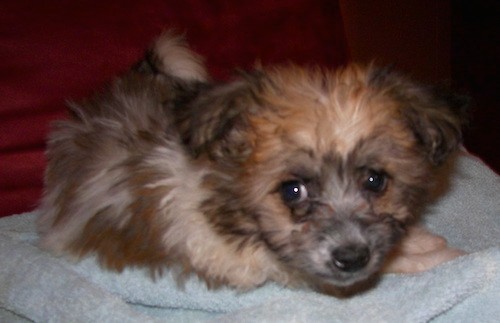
52	51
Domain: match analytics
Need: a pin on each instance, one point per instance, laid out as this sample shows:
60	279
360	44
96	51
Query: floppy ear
437	122
215	122
435	115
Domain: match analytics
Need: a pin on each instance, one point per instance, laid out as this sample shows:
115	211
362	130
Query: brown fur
169	170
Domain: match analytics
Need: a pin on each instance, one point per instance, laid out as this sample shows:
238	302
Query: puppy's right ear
216	123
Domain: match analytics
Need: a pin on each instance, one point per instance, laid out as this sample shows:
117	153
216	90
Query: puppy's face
322	169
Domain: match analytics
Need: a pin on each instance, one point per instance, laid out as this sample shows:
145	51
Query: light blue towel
34	286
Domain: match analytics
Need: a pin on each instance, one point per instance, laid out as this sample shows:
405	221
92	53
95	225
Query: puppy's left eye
293	192
375	181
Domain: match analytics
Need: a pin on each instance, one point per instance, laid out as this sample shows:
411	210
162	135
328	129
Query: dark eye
375	181
293	192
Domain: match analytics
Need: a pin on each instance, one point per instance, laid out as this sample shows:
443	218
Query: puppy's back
101	159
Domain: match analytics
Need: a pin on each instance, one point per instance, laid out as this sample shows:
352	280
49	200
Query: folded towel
35	286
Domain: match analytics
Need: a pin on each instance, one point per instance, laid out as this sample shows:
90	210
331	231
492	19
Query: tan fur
177	60
166	170
419	251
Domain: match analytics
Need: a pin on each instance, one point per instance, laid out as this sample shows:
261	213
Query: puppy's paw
419	251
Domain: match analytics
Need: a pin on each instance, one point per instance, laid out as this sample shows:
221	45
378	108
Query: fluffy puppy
299	176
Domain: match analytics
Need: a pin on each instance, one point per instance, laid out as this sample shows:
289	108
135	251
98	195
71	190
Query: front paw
419	251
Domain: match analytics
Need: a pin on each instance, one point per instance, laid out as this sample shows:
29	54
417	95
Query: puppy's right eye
293	192
375	182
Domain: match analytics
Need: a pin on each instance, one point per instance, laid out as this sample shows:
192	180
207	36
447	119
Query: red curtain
54	51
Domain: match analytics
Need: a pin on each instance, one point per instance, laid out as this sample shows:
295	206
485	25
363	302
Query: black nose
351	258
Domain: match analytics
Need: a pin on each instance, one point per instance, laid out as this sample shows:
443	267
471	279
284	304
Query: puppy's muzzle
350	258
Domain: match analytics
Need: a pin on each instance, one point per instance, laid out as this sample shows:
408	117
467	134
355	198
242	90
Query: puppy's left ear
435	115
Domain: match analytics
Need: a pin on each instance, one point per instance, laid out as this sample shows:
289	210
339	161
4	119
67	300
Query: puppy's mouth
345	253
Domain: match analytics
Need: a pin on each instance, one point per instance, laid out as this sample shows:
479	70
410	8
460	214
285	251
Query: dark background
453	42
475	56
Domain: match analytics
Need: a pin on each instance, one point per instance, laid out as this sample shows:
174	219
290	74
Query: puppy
293	175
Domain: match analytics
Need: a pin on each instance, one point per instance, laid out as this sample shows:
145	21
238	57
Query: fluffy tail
170	55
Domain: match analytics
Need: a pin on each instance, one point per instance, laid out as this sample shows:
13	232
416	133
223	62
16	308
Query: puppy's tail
170	55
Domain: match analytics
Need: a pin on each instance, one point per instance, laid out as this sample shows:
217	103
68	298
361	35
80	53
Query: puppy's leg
418	251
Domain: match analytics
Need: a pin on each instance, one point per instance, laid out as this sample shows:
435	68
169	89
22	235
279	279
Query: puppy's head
323	169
